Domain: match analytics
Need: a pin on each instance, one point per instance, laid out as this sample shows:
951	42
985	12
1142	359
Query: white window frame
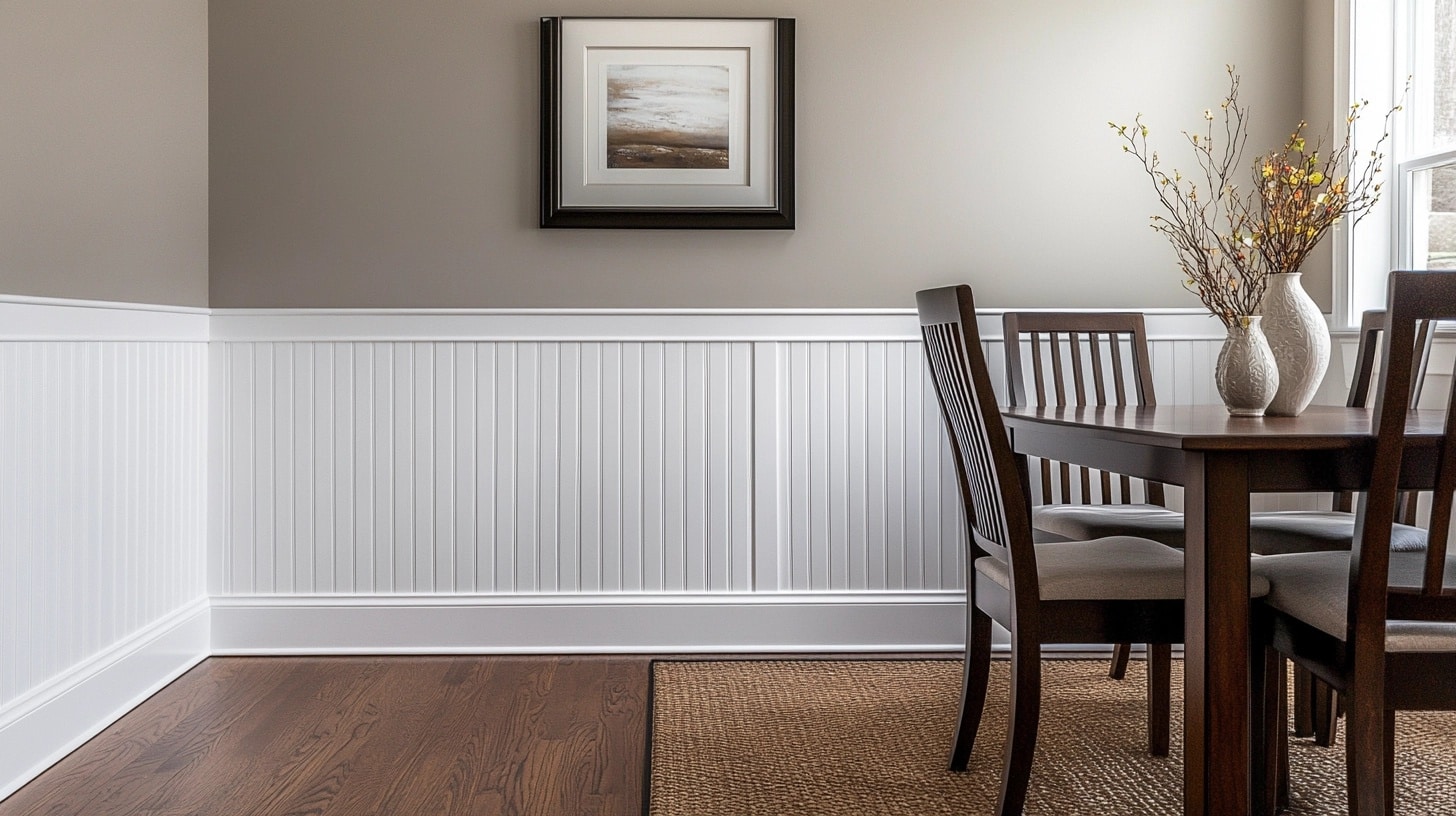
1373	66
1365	70
1410	233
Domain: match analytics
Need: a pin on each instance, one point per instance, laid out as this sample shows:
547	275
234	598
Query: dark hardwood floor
365	737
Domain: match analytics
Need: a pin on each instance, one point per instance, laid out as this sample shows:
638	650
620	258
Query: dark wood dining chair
1102	359
1377	625
1315	706
1092	359
1087	360
1372	327
1284	531
1110	590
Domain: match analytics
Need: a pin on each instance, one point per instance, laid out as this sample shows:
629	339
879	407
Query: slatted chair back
992	487
1413	297
1372	327
1074	360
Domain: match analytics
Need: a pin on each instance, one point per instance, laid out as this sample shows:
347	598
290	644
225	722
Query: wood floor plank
322	749
624	716
215	752
397	757
291	756
365	736
559	773
133	754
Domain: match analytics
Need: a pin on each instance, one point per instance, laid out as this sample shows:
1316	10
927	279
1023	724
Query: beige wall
1320	105
103	150
382	153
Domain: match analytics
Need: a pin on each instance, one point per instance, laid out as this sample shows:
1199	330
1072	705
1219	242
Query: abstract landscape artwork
667	116
667	122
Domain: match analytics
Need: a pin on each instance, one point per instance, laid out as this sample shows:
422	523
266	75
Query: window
1426	172
1379	44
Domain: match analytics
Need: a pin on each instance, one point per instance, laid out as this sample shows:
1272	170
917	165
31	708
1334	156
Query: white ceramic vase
1300	340
1246	375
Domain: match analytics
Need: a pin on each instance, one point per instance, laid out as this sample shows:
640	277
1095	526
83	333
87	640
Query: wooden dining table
1220	461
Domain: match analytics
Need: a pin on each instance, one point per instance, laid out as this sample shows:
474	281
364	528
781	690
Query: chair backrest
1080	359
1413	297
1372	327
998	515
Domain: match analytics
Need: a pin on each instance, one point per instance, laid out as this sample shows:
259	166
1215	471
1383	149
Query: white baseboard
589	624
54	719
651	624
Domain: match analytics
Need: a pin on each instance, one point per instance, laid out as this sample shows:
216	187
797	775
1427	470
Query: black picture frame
569	198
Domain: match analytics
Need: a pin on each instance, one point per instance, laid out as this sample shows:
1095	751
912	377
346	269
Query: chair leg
973	688
1160	696
1390	762
1120	654
1021	730
1271	779
1365	754
1303	702
1324	712
1281	787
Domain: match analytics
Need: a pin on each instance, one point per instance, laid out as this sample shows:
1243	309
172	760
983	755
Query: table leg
1216	575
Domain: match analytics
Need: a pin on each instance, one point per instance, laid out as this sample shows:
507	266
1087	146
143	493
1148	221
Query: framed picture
667	123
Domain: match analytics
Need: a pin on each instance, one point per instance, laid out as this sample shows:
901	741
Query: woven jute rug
865	737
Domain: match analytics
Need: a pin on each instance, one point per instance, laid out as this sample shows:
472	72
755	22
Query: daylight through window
1427	228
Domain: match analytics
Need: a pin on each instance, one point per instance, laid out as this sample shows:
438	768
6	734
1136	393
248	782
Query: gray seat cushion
1104	569
1081	522
1313	587
1300	531
1270	533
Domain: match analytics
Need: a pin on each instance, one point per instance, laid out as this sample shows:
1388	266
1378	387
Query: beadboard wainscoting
103	468
327	482
593	481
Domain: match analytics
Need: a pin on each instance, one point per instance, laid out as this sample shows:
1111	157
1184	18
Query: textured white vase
1246	375
1300	340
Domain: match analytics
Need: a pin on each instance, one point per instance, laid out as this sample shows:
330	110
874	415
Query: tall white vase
1300	340
1245	374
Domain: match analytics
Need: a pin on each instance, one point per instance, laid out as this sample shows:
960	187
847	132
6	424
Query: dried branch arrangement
1230	239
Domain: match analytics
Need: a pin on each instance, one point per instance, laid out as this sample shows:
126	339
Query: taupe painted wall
382	153
103	150
1320	106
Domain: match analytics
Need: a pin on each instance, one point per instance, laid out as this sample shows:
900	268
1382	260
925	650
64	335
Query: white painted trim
639	311
819	622
32	318
1345	312
628	325
81	303
24	318
589	624
49	722
1368	34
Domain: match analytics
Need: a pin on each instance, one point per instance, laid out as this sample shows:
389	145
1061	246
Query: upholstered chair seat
1116	568
1313	587
1079	522
1305	531
1270	533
